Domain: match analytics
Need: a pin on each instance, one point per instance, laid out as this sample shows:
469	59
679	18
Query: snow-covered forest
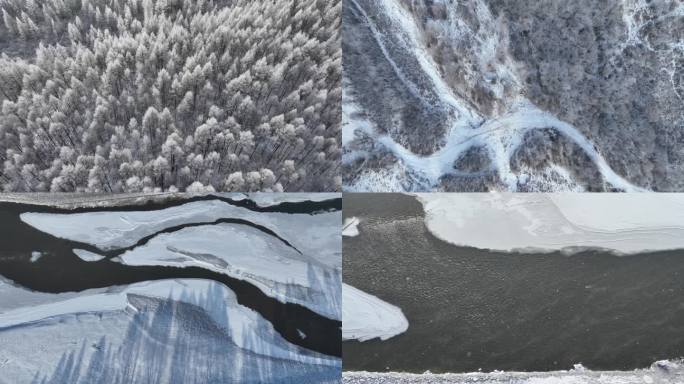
149	95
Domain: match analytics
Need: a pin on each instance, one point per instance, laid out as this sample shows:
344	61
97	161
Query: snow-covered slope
623	223
366	317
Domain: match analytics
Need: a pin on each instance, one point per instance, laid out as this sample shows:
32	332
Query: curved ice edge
110	230
603	245
241	323
366	317
662	371
267	199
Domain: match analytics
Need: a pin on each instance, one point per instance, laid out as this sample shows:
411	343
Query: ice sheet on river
173	331
244	252
623	223
294	257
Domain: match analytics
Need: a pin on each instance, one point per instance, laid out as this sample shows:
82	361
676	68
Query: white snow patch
623	223
553	178
267	199
35	255
87	255
380	180
311	278
366	317
350	227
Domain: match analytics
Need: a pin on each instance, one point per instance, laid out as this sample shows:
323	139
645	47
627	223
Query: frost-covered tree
143	95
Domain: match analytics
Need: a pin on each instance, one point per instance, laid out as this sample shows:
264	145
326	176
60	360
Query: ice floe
87	255
167	329
350	228
365	317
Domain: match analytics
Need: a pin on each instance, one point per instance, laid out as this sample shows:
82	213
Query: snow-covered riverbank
365	317
254	246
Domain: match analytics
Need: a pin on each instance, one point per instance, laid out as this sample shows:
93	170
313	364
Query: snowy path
500	136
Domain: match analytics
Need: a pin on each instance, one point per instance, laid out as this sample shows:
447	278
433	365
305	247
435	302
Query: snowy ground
167	330
623	223
365	317
299	261
662	372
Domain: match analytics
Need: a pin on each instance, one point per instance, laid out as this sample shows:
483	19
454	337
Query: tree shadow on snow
169	341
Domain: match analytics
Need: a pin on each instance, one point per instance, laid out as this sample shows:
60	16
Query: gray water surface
471	309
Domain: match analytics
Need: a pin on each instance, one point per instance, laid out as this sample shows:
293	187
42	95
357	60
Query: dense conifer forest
166	95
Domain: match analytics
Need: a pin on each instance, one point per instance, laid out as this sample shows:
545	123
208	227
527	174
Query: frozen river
471	309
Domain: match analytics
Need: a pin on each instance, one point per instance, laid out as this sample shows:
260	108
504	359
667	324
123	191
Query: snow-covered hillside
458	96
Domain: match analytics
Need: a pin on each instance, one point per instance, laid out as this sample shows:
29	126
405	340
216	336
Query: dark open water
470	309
60	270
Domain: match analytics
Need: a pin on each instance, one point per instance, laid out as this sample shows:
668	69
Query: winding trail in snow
500	136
